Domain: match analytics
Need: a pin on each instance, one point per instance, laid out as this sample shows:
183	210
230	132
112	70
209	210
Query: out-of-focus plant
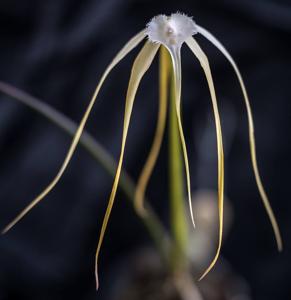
100	154
170	33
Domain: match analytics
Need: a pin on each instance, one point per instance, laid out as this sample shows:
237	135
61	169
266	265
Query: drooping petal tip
4	231
96	277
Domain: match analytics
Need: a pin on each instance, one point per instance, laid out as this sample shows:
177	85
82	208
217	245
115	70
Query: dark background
57	51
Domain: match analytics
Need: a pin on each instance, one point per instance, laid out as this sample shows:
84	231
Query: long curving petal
123	52
263	194
176	60
140	66
157	142
195	48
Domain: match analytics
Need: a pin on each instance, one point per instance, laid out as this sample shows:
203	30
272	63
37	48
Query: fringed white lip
170	32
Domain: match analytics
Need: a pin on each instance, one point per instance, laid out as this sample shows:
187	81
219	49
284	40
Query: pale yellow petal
140	66
159	133
123	52
176	60
263	194
193	45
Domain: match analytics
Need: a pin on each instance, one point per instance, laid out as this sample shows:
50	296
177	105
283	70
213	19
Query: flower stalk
178	221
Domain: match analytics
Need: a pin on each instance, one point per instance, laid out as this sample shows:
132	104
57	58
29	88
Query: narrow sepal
261	189
195	48
121	54
140	66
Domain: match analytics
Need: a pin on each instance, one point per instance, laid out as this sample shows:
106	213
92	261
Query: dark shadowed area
57	51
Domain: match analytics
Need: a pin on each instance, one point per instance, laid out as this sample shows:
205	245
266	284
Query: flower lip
171	31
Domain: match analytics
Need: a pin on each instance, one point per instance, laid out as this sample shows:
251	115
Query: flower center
171	31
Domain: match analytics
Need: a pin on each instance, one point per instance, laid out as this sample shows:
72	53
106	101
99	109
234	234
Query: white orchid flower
171	32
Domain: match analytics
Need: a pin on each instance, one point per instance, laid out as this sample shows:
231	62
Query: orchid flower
170	32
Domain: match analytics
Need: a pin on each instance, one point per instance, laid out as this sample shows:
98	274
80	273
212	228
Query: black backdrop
57	50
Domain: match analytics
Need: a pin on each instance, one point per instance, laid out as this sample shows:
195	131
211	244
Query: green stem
151	221
179	224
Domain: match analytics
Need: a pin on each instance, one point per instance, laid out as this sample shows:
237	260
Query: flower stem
176	187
